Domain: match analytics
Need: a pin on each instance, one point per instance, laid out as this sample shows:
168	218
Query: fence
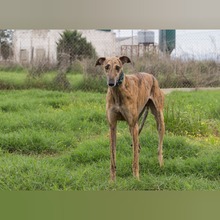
66	59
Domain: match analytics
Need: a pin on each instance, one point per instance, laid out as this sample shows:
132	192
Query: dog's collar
120	79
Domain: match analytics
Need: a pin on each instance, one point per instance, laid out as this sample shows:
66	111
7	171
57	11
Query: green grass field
53	140
21	80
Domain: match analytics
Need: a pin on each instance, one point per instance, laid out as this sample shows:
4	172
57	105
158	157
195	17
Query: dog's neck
120	79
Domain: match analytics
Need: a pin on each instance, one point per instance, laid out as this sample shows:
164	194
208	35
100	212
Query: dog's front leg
134	133
113	152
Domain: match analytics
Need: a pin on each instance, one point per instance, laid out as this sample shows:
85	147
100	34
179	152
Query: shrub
9	66
76	67
38	67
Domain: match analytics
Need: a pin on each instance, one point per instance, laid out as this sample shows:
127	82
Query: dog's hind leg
161	131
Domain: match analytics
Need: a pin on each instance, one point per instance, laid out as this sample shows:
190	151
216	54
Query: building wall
41	44
104	42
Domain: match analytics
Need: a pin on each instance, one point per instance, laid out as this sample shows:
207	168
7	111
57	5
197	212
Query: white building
29	45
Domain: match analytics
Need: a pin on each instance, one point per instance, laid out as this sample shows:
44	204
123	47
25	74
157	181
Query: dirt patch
167	91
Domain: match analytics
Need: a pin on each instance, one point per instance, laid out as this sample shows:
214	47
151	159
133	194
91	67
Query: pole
132	43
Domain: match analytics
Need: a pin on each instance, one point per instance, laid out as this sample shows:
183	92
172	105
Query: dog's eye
107	67
117	68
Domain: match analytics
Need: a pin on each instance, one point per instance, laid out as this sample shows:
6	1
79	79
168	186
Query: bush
175	72
94	78
9	66
38	67
76	67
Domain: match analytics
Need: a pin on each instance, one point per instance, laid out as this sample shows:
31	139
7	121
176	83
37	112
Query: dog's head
113	68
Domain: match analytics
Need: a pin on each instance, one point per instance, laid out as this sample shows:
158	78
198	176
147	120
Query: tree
75	46
5	50
5	43
5	35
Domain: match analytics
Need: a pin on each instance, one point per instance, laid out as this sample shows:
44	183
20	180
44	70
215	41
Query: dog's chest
118	100
120	105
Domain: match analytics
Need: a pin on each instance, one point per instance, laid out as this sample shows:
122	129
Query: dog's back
145	86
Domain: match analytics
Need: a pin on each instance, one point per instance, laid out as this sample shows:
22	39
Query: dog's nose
111	84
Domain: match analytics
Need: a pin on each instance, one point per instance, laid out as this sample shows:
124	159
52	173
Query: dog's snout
111	82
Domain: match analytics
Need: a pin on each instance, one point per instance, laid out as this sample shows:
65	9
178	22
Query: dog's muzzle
111	82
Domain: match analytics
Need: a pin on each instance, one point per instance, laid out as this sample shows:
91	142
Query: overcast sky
201	44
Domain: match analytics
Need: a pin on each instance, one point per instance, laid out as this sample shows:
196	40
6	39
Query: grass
39	120
53	140
22	80
204	113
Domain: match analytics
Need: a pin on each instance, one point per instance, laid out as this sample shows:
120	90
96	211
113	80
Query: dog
128	98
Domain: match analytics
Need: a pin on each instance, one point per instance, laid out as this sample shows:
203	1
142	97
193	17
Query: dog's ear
124	59
100	61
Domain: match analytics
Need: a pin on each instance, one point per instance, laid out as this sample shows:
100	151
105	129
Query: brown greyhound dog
128	98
